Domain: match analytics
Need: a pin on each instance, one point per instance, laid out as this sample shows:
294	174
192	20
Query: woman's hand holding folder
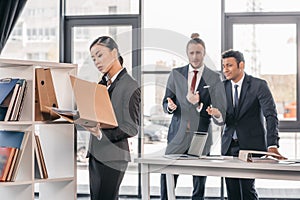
96	131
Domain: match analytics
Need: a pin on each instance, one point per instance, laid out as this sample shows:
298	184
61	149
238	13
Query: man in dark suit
188	101
250	107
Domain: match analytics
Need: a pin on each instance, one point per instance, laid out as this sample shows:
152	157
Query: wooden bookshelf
57	137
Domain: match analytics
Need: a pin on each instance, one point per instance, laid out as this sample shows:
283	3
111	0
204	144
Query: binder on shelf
40	165
94	105
7	86
10	138
12	102
16	101
13	165
6	157
23	94
19	156
44	95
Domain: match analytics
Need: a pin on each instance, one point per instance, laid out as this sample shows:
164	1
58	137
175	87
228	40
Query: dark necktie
105	80
192	88
193	84
236	104
236	98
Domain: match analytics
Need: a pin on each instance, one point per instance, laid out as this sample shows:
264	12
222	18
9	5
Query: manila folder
93	103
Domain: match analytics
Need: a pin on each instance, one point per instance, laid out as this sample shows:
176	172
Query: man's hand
171	105
213	111
275	150
193	98
96	131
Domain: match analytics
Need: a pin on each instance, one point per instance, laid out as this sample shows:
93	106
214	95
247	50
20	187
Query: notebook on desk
196	148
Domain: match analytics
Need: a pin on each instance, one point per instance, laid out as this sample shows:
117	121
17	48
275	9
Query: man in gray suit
191	91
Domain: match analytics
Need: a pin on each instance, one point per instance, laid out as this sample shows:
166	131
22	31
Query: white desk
224	168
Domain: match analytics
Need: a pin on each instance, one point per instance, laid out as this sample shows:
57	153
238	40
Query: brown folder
44	95
93	103
247	155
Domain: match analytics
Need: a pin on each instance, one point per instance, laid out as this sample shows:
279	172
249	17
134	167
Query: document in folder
93	103
247	155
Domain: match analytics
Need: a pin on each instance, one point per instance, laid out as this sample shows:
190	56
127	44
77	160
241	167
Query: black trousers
105	178
237	188
198	184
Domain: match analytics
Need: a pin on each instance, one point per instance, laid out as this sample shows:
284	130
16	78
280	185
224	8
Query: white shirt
239	83
112	79
191	75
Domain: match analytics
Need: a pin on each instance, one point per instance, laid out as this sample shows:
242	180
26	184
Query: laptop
196	148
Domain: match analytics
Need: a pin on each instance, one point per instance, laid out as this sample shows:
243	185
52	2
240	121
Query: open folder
247	155
93	103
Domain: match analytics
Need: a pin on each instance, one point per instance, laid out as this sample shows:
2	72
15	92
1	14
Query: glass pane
167	42
81	40
270	52
102	7
32	38
262	6
164	48
156	122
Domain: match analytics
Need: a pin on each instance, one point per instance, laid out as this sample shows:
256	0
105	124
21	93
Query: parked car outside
82	145
155	132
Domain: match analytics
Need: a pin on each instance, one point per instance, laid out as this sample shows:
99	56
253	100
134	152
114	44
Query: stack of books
12	145
12	92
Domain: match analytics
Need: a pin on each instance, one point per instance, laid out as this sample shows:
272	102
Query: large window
32	38
103	7
269	43
164	48
270	52
262	6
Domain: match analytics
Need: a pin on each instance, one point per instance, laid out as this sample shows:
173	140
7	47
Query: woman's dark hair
195	40
239	57
109	43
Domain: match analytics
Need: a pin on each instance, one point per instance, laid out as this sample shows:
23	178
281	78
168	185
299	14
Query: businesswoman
108	149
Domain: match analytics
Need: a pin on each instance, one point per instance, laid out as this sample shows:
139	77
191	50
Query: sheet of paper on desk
290	161
217	157
181	157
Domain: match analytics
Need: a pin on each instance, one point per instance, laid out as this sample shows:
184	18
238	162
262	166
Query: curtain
9	13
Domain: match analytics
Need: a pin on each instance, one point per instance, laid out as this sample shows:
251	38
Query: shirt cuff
219	119
199	108
170	111
272	146
99	137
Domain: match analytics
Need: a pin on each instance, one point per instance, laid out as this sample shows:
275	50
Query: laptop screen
197	144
